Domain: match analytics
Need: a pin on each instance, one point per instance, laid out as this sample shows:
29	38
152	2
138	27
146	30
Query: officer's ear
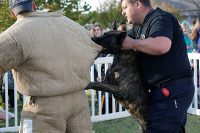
12	13
138	4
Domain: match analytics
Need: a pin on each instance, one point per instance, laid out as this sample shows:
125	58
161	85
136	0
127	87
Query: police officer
50	56
162	57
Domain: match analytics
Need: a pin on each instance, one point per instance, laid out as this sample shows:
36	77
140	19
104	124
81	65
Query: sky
94	3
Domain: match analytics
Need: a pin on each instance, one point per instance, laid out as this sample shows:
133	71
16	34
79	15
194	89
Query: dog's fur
122	78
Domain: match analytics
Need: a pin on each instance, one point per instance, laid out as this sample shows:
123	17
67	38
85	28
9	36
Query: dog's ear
100	41
111	41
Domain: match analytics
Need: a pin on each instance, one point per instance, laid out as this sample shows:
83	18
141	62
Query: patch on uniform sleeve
142	36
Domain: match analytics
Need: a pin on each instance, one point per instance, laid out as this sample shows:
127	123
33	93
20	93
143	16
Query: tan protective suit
50	56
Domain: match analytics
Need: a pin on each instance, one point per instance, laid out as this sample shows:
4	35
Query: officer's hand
127	43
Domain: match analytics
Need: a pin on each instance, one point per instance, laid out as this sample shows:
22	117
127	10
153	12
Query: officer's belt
177	81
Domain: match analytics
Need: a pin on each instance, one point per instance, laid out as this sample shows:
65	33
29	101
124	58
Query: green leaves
6	19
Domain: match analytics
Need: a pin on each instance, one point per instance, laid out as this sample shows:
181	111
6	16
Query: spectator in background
195	34
10	90
3	114
97	31
186	33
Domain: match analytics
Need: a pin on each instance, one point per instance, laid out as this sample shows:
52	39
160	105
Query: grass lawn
124	125
128	125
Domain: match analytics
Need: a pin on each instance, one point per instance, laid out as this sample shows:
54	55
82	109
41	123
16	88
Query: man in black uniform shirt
162	57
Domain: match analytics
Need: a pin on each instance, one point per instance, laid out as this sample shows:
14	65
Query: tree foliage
71	8
109	12
74	10
78	10
6	19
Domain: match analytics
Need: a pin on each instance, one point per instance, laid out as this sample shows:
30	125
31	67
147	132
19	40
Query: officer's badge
142	36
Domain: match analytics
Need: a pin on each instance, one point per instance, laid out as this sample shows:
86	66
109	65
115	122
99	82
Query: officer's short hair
144	2
20	6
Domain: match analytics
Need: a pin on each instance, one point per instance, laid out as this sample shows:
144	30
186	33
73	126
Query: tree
6	19
88	18
109	12
72	8
53	5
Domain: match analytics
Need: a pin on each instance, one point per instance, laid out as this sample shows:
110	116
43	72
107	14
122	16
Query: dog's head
111	41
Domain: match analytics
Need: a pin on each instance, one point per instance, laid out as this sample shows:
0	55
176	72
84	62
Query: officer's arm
153	46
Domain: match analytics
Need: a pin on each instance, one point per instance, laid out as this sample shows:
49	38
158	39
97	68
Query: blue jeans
168	113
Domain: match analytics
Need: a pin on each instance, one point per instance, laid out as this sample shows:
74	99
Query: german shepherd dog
122	78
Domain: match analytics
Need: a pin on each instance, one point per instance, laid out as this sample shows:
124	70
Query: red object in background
165	92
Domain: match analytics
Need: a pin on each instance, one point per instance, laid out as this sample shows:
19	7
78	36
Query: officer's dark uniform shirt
172	65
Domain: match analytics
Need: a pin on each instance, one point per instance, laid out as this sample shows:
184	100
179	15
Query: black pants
168	114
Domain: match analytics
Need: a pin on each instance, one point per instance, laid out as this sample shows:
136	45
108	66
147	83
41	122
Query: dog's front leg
105	87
